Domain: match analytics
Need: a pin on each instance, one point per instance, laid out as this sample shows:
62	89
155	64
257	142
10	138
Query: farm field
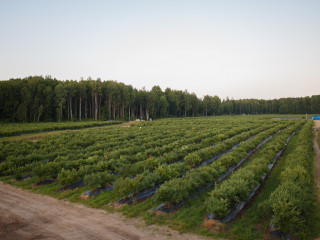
211	176
11	129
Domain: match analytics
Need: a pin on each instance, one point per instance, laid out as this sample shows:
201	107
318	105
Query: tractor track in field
316	149
316	130
26	215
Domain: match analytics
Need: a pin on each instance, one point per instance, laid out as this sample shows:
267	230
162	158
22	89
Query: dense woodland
37	98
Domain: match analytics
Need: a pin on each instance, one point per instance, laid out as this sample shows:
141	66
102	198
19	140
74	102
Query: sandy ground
25	215
317	155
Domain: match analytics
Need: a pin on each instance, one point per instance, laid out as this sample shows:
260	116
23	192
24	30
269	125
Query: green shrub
67	177
99	179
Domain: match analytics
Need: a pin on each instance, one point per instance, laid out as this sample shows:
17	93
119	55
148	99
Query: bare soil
26	215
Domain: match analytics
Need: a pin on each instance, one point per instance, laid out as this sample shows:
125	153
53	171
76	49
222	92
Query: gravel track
26	215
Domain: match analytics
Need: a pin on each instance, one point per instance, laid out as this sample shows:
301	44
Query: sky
236	49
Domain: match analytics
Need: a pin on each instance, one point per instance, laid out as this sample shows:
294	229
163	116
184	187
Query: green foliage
46	171
193	159
291	202
219	207
287	201
10	129
166	153
238	187
124	186
98	179
66	177
38	98
172	191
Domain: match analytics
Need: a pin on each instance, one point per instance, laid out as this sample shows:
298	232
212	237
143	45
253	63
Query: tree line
38	98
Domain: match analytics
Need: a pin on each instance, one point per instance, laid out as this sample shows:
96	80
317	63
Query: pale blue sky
241	49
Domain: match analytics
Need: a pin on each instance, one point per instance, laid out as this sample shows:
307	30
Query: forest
45	99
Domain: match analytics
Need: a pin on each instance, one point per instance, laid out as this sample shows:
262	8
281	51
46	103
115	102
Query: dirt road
25	215
316	130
